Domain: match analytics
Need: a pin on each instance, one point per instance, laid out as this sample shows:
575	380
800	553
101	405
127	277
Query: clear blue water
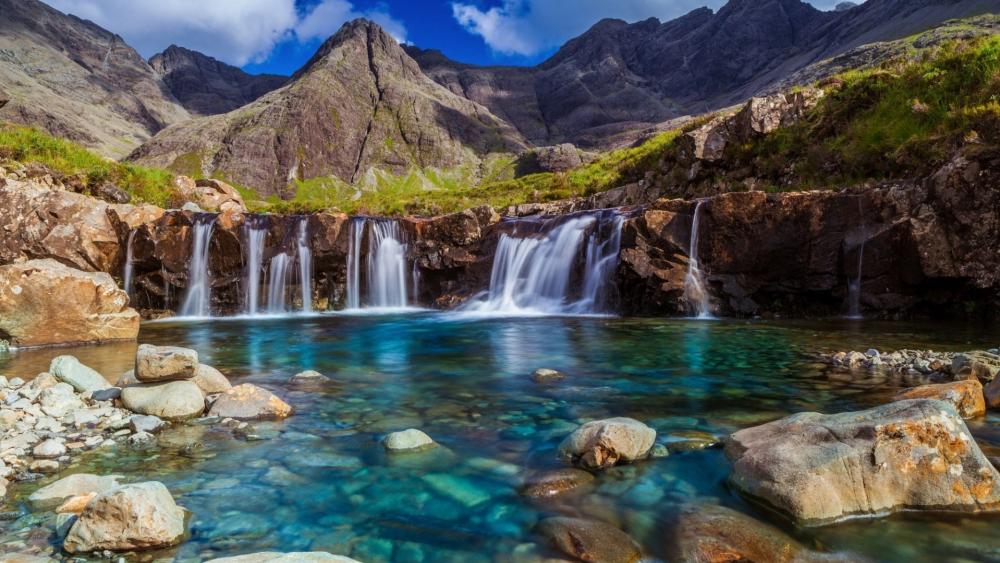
321	480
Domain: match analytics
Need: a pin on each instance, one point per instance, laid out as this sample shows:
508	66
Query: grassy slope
902	119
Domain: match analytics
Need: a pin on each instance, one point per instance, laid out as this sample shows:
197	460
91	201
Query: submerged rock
68	369
551	483
138	516
589	540
164	363
250	402
169	400
603	443
295	557
965	395
914	454
308	377
408	440
544	375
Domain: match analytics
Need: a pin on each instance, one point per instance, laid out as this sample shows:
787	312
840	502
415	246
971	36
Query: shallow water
321	481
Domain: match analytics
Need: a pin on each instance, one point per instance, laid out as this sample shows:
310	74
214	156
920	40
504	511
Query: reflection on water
323	482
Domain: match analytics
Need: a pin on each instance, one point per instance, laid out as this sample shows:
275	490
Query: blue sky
278	36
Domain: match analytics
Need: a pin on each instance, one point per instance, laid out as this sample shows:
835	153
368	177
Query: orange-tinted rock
965	395
249	402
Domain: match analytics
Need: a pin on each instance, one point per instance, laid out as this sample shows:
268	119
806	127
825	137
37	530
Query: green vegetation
27	145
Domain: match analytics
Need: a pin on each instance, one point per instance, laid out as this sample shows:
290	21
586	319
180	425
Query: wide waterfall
695	290
533	273
255	232
277	283
129	272
385	282
304	256
198	298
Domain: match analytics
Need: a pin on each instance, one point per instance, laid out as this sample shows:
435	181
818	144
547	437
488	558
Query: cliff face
205	86
361	102
76	80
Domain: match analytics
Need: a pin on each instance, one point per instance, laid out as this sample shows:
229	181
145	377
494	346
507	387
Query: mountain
205	86
360	102
617	78
77	80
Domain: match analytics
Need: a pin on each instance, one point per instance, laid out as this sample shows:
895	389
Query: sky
278	36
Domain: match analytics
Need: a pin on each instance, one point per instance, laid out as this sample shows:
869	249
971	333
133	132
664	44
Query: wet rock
141	440
71	486
460	489
991	393
210	380
249	402
966	396
543	375
604	443
915	454
146	423
710	534
308	377
164	363
984	366
589	540
294	557
408	440
129	517
169	400
90	307
69	370
690	440
551	483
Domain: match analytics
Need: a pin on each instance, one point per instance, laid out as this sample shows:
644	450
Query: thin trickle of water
854	286
386	265
534	274
255	232
129	272
304	253
357	232
277	283
198	299
695	290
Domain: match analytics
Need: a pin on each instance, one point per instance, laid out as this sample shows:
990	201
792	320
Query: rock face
43	302
249	402
589	540
169	400
163	363
913	455
205	86
966	396
129	517
74	79
360	88
603	443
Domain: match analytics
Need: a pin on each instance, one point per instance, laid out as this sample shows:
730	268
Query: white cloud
528	27
235	31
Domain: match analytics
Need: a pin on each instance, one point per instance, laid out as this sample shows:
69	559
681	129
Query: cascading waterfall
277	283
695	290
386	265
533	274
198	298
304	255
128	274
357	232
255	231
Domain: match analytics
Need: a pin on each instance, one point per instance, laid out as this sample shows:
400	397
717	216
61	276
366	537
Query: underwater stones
408	440
169	400
913	454
460	489
250	402
690	440
137	516
164	363
589	540
71	486
552	483
308	377
544	375
294	557
604	443
210	380
69	370
965	395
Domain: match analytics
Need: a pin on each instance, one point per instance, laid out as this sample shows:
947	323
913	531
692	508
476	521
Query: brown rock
552	483
164	363
980	365
130	517
966	396
589	540
43	302
249	402
75	505
603	443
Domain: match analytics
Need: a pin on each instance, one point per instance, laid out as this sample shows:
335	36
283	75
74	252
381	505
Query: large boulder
43	302
69	370
249	402
169	400
965	395
603	443
164	363
130	517
294	557
907	455
589	540
78	484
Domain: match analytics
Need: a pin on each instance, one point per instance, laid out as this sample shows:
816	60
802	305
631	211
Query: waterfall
128	274
695	290
386	265
854	287
277	283
198	298
255	231
305	264
354	263
534	274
